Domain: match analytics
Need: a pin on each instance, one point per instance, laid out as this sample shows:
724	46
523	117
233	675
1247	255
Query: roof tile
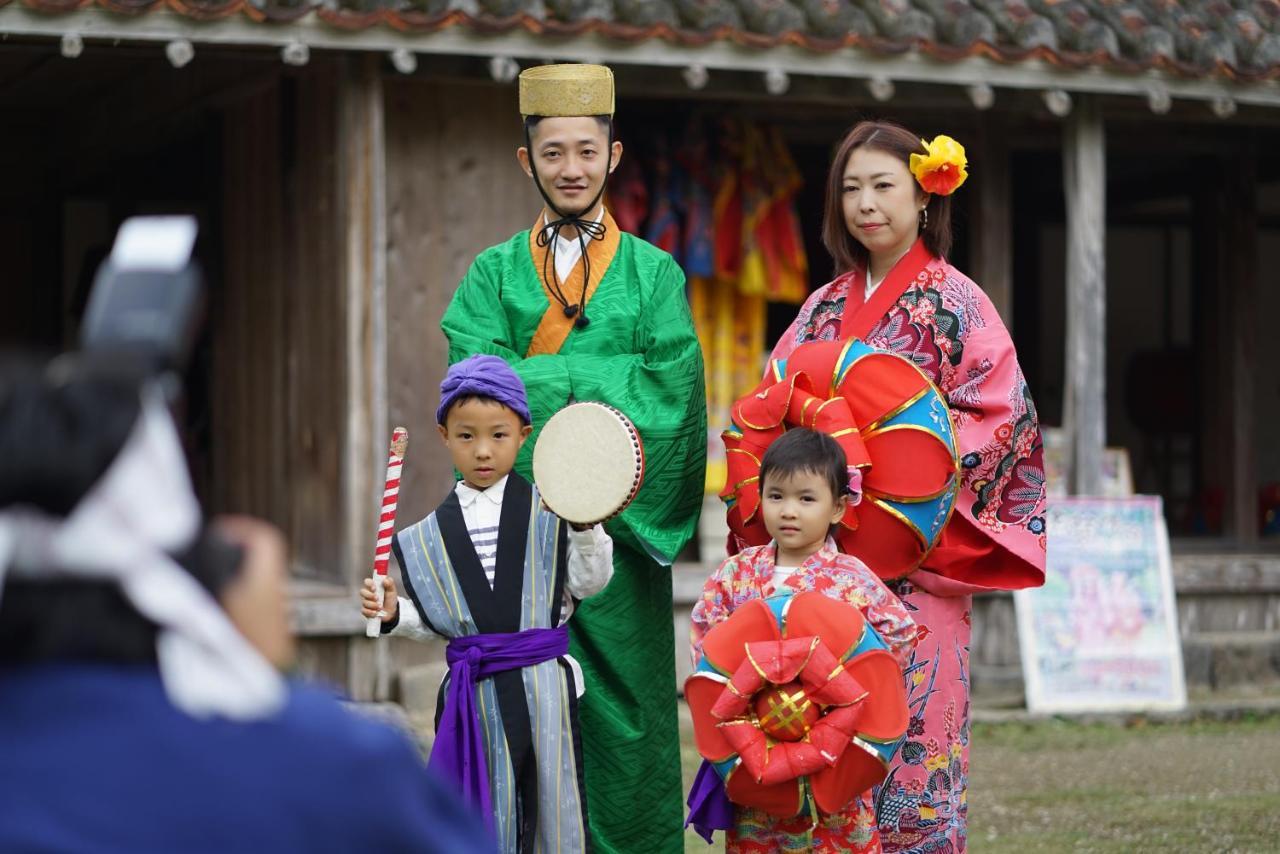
1233	39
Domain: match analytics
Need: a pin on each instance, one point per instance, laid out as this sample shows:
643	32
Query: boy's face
483	438
572	156
799	510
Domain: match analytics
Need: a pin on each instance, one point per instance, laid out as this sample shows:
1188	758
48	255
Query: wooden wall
277	314
453	188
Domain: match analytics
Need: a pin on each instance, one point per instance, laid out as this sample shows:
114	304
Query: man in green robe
586	312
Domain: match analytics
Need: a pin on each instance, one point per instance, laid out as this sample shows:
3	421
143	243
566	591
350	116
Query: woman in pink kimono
888	227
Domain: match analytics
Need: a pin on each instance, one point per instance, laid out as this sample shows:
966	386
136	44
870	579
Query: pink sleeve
996	537
889	617
882	609
713	607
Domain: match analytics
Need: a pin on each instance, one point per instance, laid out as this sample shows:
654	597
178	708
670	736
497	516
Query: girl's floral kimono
931	313
749	575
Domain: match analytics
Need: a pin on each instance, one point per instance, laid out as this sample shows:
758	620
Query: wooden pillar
1085	183
362	179
362	175
1239	230
1209	468
991	241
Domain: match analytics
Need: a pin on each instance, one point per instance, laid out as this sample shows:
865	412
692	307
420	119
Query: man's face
571	155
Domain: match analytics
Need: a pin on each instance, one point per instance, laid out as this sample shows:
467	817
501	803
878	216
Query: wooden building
348	159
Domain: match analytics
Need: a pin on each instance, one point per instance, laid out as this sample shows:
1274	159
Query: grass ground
1056	786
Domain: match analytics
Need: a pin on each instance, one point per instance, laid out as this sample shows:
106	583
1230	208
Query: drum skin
588	463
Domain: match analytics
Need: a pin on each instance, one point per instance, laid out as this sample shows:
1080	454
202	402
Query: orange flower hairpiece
942	169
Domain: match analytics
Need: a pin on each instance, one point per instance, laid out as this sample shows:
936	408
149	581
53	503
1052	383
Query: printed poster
1102	633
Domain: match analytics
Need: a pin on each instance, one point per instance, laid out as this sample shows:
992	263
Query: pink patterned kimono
948	327
749	575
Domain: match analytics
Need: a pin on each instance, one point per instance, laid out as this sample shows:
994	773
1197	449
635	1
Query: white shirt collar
467	495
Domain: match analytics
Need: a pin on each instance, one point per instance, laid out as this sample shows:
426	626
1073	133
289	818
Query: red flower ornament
797	697
895	428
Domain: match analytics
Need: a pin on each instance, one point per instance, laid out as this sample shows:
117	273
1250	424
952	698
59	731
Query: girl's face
881	203
799	510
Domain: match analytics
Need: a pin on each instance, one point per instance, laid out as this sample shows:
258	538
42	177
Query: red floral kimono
931	313
749	575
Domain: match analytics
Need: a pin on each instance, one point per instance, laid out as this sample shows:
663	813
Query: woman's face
881	203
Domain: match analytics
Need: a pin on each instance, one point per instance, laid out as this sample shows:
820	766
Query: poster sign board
1102	633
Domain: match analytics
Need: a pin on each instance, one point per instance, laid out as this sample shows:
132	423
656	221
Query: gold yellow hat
566	90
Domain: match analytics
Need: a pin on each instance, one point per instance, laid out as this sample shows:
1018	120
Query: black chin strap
549	236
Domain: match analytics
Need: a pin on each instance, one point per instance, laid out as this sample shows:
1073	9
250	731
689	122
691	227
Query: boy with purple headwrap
498	575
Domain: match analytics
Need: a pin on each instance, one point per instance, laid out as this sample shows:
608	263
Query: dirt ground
1056	786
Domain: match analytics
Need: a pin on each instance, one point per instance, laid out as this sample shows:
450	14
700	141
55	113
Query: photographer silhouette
142	707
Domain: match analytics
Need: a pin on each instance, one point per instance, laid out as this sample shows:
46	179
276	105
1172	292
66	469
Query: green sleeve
476	322
660	388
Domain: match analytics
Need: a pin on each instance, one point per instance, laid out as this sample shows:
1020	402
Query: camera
144	303
141	322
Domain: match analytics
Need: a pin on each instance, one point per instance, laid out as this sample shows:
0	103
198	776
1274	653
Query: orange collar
554	328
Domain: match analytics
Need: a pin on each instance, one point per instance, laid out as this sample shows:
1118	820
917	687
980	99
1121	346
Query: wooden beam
1209	330
362	179
991	244
1085	184
1240	257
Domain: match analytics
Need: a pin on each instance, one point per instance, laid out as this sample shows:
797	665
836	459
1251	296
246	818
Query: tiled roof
1225	39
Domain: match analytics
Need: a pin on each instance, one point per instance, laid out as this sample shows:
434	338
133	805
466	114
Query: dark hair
605	122
891	138
803	450
61	426
483	398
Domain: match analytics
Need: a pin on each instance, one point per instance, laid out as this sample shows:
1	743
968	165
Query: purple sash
709	807
458	751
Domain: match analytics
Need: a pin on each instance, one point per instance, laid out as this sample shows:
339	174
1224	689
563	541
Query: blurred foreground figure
141	709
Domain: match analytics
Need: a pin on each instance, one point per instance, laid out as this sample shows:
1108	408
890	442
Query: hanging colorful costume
743	249
929	312
638	353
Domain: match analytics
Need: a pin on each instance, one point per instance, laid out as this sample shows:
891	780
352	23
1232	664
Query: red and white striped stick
387	522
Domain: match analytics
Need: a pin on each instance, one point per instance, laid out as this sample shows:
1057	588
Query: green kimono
640	354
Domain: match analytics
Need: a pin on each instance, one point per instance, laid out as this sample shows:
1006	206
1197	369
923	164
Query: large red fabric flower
797	689
894	427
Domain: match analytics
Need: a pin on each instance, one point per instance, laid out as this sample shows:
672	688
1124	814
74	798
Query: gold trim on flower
943	168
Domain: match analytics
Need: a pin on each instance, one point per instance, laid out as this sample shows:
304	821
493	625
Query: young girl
804	490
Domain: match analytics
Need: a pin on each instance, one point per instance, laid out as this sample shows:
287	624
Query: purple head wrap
483	376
